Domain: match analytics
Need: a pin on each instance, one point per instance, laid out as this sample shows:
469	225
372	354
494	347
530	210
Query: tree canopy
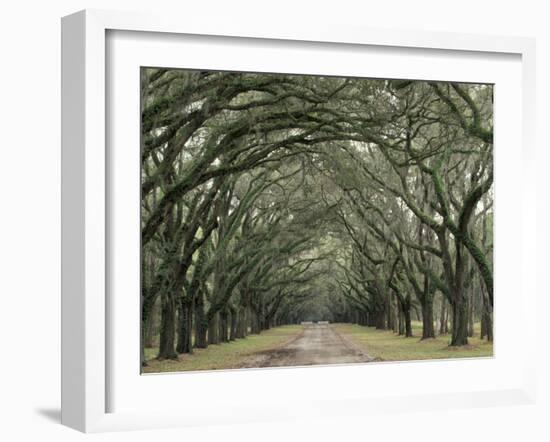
270	199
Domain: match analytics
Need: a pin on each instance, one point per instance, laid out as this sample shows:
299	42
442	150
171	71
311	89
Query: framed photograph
292	223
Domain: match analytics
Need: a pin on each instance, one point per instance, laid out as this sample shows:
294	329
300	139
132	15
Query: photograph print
298	220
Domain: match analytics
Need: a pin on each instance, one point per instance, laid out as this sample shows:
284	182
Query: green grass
222	356
388	346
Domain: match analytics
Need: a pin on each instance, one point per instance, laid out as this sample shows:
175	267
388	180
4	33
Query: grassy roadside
388	346
223	356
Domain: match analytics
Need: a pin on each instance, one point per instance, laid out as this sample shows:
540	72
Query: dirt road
318	344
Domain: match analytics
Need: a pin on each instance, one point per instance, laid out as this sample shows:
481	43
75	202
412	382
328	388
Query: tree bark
233	324
460	324
151	327
213	330
201	324
428	330
389	311
184	327
443	326
486	318
408	324
167	327
224	326
242	322
471	315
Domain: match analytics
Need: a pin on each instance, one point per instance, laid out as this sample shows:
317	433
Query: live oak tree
270	199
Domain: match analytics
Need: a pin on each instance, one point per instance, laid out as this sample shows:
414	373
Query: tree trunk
238	318
190	326
483	327
201	324
151	327
460	324
471	317
381	319
389	311
408	324
455	278
167	327
213	330
447	319
254	323
148	303
396	318
233	325
184	327
428	319
489	326
443	317
486	318
222	324
242	322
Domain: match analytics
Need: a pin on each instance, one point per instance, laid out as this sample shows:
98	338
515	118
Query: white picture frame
86	315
